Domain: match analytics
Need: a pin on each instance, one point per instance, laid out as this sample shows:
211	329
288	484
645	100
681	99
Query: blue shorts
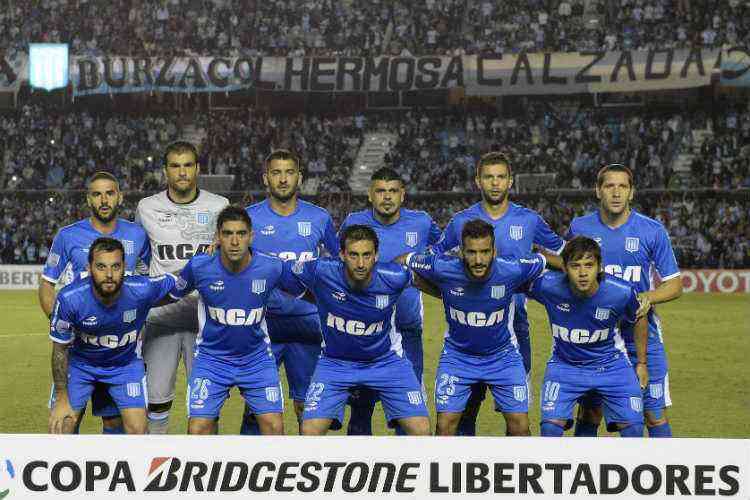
211	378
502	372
656	396
116	387
299	362
391	377
101	402
614	385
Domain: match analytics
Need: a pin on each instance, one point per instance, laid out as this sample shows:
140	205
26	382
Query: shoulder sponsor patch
53	259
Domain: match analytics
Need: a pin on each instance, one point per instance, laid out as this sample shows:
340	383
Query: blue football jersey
101	335
633	252
357	325
586	330
231	308
414	231
68	257
298	236
478	312
515	232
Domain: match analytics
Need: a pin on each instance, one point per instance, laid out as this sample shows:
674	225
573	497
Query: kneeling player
585	309
477	291
356	299
233	348
102	315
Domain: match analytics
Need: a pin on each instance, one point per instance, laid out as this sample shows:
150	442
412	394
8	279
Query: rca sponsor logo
476	319
353	326
236	317
579	335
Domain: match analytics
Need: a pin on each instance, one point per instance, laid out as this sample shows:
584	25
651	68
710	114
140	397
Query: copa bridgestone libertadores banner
182	467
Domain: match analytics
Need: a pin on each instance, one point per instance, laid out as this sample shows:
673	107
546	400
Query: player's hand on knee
642	371
62	418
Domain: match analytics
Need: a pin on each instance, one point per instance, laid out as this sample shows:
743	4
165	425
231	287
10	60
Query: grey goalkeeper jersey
178	231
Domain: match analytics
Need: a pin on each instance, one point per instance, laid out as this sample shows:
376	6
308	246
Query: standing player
633	247
100	316
399	231
68	262
180	222
517	230
232	347
586	310
477	291
291	229
356	299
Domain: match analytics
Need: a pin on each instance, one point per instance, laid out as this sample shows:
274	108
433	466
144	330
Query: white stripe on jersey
395	336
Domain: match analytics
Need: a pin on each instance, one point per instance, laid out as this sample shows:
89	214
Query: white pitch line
22	335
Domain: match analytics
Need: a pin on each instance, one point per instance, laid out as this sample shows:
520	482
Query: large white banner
181	467
20	277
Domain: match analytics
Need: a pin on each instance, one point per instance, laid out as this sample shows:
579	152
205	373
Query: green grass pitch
707	338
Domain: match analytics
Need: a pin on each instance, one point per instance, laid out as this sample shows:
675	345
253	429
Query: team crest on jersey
636	404
497	291
129	316
272	394
202	218
516	232
519	392
129	247
381	301
412	238
602	313
258	286
304	228
656	391
268	230
632	244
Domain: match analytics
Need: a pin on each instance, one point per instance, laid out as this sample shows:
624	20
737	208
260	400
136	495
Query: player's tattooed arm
666	291
62	417
640	332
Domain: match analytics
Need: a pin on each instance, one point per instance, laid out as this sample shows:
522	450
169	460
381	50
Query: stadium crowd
369	28
706	232
433	150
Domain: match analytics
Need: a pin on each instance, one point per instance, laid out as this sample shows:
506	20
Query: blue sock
632	431
467	426
362	403
113	430
249	424
551	430
585	429
660	431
